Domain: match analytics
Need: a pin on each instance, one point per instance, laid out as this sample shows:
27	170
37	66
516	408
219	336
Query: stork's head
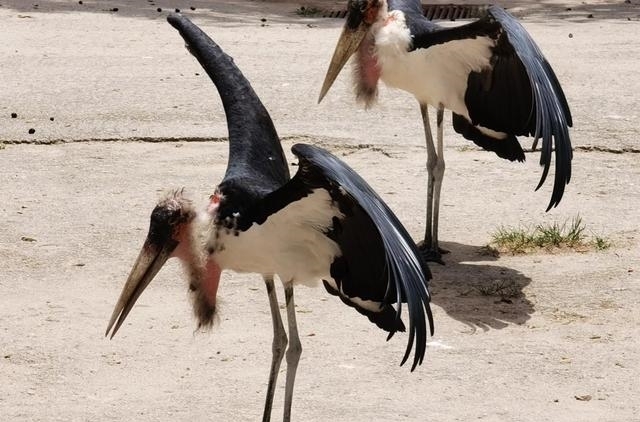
362	14
171	234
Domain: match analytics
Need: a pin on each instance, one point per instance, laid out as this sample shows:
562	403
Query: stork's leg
293	352
438	175
277	349
429	247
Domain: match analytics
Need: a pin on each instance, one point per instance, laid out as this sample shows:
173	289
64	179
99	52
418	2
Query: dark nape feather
407	274
552	114
385	319
255	152
508	148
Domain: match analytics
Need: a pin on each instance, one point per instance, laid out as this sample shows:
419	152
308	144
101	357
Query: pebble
14	115
192	8
32	131
177	10
159	9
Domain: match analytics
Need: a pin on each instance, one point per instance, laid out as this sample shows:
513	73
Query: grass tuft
601	243
568	235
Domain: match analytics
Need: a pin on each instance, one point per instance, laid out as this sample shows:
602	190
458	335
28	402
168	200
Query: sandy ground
77	194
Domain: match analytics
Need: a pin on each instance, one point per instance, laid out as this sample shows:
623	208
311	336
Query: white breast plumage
415	71
291	243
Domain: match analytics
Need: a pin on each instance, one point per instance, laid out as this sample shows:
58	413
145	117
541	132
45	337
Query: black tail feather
385	319
508	148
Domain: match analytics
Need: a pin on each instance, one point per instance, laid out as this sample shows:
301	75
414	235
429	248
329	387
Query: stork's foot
431	254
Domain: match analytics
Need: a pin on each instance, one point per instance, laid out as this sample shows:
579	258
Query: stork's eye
174	217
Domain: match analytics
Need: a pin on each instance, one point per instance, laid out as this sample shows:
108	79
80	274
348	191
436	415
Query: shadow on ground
262	12
229	12
479	294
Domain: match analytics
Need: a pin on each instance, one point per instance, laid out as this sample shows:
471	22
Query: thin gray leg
435	171
438	175
293	352
431	163
277	349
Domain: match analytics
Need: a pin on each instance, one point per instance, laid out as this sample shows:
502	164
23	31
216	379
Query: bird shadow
479	294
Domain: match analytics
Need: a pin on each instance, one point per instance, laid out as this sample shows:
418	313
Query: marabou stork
325	223
489	73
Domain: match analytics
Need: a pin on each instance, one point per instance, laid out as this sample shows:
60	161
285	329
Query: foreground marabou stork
489	73
325	223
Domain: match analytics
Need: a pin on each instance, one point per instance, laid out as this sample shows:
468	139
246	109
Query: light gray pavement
105	75
74	214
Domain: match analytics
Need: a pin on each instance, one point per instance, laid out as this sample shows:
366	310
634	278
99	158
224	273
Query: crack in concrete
316	140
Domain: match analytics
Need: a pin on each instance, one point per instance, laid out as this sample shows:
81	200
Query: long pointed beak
348	43
149	262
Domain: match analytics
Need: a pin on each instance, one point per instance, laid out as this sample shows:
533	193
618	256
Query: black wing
552	115
256	158
518	93
379	261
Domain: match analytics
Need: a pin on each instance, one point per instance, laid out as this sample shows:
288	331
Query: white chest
435	75
290	244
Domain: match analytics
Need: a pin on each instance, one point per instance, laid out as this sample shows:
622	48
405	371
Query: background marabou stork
489	73
325	224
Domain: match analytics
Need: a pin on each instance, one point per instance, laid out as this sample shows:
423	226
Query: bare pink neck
203	273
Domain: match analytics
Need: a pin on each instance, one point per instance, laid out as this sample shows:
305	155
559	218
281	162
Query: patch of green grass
307	11
569	235
601	243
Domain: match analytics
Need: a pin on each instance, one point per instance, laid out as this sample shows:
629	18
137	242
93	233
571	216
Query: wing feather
517	94
406	270
553	117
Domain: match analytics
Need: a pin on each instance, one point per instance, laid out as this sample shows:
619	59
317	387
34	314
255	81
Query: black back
257	164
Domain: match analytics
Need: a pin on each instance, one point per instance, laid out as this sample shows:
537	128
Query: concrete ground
134	115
